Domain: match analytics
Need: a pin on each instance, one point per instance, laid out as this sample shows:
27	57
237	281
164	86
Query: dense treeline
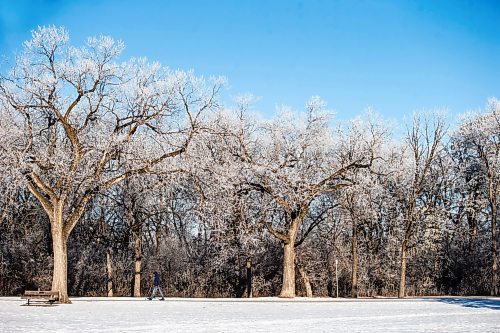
112	171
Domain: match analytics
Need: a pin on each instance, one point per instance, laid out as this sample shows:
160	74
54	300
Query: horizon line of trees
112	170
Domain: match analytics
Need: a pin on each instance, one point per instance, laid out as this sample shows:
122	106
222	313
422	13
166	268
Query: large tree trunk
402	276
288	286
109	269
355	260
60	248
138	264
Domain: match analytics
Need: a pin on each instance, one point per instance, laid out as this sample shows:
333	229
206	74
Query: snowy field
254	315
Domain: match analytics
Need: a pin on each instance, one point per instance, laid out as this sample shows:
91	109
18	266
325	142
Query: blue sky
395	56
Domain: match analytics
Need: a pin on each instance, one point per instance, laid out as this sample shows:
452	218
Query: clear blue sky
396	56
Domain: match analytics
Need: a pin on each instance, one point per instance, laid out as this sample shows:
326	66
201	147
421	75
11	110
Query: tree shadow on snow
487	303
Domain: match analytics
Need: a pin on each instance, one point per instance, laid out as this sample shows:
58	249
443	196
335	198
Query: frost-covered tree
479	137
412	182
76	121
292	161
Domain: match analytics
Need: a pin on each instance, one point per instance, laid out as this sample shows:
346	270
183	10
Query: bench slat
40	293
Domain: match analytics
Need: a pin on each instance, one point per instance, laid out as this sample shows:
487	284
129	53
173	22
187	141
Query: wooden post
249	278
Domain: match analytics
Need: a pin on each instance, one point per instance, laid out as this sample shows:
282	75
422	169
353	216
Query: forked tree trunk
288	283
402	276
355	261
288	286
109	269
138	264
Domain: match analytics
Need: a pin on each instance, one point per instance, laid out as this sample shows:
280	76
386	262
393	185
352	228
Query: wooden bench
41	296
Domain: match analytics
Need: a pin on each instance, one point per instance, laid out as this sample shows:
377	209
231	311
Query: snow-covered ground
254	315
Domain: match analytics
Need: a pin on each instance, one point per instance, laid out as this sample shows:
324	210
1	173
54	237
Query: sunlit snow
254	315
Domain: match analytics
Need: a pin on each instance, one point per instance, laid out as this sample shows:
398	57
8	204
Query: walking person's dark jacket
157	279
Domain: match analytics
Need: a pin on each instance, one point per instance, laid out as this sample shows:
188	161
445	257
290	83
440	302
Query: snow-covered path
254	315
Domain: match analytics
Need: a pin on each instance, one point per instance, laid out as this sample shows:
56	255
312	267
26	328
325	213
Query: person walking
156	287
